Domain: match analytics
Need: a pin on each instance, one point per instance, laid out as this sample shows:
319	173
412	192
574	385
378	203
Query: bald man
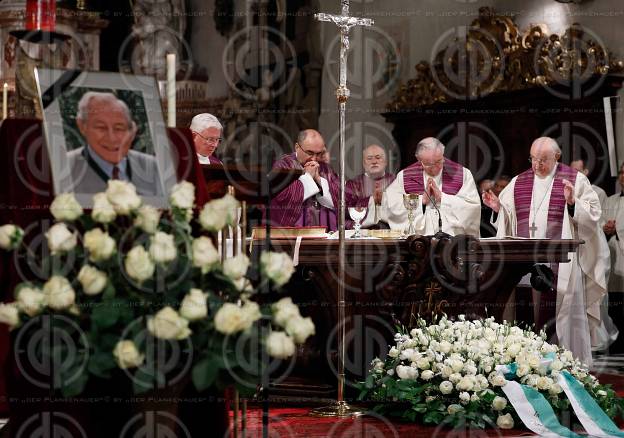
446	188
313	198
553	201
368	188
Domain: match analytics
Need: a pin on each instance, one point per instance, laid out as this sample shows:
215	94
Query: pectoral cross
533	229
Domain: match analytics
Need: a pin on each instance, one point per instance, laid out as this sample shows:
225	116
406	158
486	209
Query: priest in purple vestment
368	188
553	201
207	132
313	198
447	190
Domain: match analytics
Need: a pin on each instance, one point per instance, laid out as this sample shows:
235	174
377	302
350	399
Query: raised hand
491	200
568	192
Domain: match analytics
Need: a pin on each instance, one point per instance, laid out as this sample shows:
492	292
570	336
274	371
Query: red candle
40	15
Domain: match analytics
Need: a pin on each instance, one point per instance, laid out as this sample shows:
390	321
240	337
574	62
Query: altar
390	282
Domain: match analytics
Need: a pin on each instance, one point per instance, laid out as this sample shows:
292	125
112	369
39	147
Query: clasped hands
609	227
312	169
434	192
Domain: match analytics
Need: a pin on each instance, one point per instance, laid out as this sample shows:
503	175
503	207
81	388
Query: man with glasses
368	188
312	199
553	201
108	130
445	188
207	132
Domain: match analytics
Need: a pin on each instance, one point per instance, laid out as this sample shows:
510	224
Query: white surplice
461	213
581	283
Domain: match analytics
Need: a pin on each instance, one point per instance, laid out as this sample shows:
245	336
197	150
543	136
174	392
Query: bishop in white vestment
439	182
554	201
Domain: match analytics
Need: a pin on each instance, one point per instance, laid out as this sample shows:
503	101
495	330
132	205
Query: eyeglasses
428	165
210	139
312	154
539	160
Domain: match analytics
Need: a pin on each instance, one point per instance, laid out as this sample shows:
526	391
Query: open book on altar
289	232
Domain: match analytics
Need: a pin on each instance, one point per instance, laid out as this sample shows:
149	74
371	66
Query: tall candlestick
5	101
171	90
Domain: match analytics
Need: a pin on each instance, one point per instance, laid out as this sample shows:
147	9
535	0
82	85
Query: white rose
556	365
127	355
454	408
168	324
236	267
465	384
100	245
162	247
534	361
231	318
446	371
205	255
426	375
30	300
474	398
394	352
505	421
10	236
182	195
147	219
251	313
138	264
194	305
446	387
445	347
93	280
123	196
210	218
103	210
284	310
457	365
229	208
455	378
498	381
470	369
280	345
406	373
423	363
300	329
60	239
65	207
544	383
523	370
59	295
9	315
464	397
513	350
277	266
557	389
499	403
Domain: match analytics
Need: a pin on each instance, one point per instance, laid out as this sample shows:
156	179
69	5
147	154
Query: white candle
5	101
171	90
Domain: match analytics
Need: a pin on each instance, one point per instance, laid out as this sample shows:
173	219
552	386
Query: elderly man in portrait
445	188
553	201
108	130
367	189
207	135
312	199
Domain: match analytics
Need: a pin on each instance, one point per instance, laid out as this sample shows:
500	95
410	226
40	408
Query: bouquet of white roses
130	276
462	373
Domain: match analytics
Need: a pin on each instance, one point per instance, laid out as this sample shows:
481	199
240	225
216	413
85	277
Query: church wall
416	28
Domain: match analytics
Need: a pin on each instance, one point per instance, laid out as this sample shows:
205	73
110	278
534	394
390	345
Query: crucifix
344	22
532	229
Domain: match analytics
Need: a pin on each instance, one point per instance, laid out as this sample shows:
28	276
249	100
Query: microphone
440	234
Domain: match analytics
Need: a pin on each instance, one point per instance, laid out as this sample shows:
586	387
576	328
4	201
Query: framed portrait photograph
102	125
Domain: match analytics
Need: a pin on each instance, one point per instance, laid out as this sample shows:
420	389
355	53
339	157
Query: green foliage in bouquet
130	282
446	373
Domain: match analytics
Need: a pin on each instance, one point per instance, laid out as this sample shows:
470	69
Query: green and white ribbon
595	421
538	416
532	407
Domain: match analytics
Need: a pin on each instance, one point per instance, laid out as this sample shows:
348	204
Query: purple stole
523	192
214	160
452	178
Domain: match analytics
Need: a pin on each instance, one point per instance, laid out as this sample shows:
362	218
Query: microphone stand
440	234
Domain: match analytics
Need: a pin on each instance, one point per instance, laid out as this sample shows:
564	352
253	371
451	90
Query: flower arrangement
462	374
130	277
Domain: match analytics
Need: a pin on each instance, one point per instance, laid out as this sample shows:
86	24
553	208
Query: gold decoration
495	56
